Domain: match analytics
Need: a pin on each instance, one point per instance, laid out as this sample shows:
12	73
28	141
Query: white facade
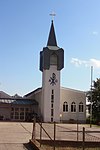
51	95
67	96
72	105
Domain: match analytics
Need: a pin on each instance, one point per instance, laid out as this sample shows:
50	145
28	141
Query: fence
55	134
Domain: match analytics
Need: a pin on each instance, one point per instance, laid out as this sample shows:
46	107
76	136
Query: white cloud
95	33
91	62
95	63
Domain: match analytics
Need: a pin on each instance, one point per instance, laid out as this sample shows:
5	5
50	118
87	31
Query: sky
24	30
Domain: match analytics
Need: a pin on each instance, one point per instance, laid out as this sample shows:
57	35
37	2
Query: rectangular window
52	92
16	115
51	105
51	112
52	97
22	115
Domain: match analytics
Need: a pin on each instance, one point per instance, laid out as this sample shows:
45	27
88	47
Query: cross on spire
52	15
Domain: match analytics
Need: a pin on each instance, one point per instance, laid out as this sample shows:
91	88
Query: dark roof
18	101
4	95
52	37
32	92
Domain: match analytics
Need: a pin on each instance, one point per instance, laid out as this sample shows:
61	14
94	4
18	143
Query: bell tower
51	63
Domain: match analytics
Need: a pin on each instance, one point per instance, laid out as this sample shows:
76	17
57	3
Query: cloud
91	62
95	63
95	33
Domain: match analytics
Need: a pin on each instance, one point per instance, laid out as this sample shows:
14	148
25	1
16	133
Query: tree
95	100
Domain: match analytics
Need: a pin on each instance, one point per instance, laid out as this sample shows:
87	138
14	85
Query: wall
70	95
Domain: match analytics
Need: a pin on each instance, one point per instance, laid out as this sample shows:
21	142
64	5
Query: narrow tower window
52	112
52	104
53	59
52	91
52	96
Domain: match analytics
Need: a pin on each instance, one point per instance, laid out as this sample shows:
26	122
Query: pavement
14	135
69	132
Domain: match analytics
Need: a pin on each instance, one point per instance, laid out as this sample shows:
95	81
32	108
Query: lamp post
60	118
91	97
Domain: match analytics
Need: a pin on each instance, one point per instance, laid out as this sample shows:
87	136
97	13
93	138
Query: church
56	103
51	102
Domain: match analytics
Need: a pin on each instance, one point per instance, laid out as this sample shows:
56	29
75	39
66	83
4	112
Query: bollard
40	133
33	132
83	138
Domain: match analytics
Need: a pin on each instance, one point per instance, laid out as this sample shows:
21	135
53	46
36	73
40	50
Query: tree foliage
95	100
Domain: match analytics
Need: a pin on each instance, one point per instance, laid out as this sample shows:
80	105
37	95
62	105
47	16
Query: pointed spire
52	38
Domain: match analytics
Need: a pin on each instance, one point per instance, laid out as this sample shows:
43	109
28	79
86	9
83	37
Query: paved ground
69	132
14	134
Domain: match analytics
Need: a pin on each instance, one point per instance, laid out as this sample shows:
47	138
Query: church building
51	102
54	102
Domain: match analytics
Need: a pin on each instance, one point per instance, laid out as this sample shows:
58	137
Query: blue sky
24	29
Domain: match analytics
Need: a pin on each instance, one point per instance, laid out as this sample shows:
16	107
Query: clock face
53	79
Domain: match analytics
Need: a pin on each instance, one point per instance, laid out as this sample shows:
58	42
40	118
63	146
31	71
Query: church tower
51	63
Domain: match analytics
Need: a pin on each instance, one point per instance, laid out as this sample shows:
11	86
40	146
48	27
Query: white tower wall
48	89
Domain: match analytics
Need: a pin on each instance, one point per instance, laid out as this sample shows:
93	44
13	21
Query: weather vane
52	15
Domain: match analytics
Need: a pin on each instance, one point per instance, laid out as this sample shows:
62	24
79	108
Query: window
51	105
53	59
22	113
73	107
65	107
16	115
52	96
51	112
80	107
52	91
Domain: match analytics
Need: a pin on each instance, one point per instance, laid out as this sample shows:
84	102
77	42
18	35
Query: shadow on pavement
28	146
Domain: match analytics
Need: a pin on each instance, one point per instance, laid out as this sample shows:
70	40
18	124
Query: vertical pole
77	130
91	97
33	132
83	138
54	135
40	133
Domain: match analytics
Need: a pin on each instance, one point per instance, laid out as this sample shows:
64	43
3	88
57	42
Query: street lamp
91	97
60	117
